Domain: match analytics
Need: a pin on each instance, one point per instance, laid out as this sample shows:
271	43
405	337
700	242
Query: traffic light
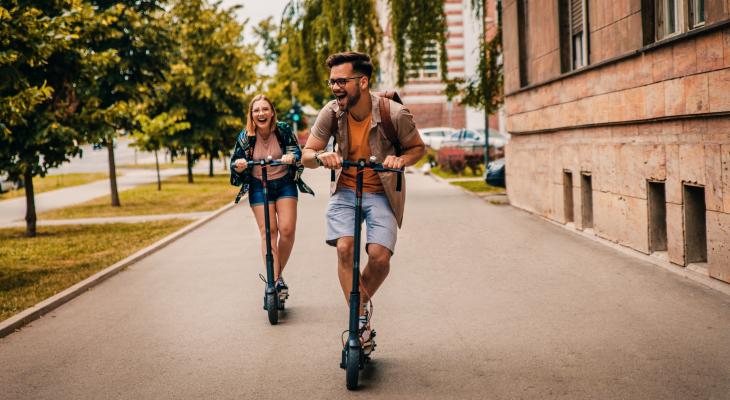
295	113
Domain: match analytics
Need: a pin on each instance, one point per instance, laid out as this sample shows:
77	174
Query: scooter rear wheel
352	367
272	308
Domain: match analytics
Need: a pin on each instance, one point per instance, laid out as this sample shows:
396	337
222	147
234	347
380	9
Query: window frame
583	39
692	12
686	17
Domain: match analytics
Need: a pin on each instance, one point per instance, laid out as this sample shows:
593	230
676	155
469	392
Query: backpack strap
333	128
388	124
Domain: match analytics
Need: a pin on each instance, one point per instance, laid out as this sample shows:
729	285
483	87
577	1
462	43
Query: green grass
33	269
448	174
53	182
478	186
177	196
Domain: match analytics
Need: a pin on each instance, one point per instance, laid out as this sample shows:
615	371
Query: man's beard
352	100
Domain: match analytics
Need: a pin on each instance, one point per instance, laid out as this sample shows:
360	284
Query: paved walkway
12	211
482	302
113	220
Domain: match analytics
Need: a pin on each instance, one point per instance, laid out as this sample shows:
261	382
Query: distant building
423	93
620	116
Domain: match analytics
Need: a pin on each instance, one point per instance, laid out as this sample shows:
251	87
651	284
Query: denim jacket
244	149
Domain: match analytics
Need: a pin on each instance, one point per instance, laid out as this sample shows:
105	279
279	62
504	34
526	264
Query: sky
257	10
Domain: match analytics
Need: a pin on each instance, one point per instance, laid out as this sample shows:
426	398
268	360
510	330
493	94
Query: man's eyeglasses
341	81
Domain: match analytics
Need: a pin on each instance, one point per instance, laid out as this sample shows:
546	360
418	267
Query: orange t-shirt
359	132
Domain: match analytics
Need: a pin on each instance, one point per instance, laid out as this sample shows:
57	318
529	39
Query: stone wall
689	77
662	115
621	160
615	28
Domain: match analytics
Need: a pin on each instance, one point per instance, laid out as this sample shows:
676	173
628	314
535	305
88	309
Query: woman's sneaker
282	289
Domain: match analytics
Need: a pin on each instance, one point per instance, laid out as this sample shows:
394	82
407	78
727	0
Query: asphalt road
483	302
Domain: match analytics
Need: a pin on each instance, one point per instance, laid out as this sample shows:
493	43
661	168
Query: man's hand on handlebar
329	160
393	162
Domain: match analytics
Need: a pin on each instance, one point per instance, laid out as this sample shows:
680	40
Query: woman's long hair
250	126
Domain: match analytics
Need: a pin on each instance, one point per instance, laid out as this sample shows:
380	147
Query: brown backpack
384	106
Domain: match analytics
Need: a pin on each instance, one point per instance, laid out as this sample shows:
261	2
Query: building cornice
670	118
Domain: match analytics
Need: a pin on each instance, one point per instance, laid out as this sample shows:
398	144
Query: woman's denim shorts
280	188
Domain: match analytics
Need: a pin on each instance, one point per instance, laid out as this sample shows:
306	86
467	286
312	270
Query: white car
433	137
496	138
474	138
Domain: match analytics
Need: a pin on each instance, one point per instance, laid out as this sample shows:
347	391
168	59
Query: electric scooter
353	356
273	302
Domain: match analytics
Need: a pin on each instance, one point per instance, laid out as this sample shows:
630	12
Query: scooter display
273	301
353	356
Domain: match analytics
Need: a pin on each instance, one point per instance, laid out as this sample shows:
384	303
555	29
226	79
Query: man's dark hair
360	62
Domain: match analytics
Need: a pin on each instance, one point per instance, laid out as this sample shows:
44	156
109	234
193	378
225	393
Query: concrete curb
17	321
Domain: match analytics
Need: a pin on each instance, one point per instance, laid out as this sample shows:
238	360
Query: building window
673	17
430	68
578	30
573	34
523	40
696	13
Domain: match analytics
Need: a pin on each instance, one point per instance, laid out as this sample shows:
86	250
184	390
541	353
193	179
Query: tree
152	133
40	62
137	34
413	36
211	78
310	30
484	91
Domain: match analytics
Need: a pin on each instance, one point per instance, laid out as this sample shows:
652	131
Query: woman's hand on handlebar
330	160
393	162
240	165
288	159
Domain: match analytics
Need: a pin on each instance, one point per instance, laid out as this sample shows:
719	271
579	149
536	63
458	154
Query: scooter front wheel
272	308
352	366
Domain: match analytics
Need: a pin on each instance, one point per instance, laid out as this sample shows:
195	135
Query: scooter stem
355	293
269	256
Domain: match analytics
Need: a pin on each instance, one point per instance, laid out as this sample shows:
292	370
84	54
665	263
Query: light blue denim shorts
382	228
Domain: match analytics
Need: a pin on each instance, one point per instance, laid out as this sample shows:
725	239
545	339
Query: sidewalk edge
696	277
28	315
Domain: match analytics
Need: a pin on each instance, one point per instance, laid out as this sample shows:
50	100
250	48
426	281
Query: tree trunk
30	216
113	173
210	166
157	166
190	166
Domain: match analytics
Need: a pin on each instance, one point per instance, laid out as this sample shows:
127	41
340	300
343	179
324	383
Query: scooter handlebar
377	167
266	161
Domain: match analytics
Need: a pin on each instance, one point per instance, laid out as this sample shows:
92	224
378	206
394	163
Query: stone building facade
620	119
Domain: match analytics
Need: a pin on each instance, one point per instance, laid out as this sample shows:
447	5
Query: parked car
464	138
474	138
496	138
433	137
495	173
